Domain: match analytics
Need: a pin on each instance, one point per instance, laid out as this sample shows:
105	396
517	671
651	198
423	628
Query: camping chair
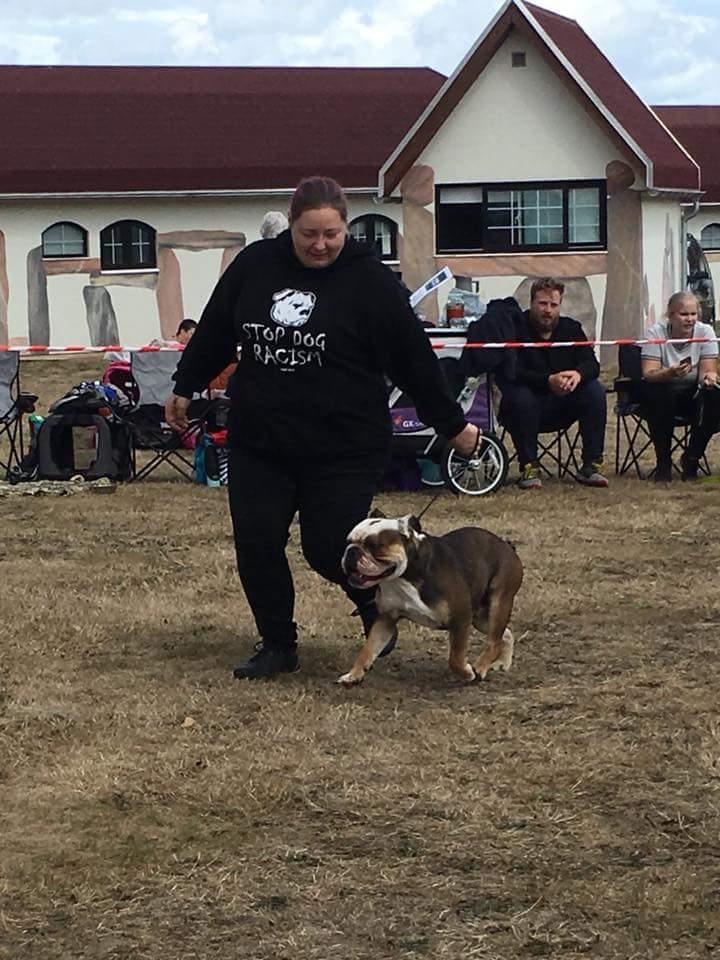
630	424
557	455
152	371
13	404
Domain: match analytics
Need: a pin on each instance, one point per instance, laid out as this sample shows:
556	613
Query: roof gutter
170	194
671	192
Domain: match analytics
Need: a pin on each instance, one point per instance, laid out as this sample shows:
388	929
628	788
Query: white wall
663	263
519	123
23	222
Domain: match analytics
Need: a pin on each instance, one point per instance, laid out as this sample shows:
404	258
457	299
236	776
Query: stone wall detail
417	253
101	319
625	296
38	307
169	292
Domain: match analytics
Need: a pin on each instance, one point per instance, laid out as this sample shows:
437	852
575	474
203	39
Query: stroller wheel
482	474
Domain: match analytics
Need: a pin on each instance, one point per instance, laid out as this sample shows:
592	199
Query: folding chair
153	372
630	424
13	404
560	450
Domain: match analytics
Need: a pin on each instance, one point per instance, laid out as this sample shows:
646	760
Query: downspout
684	219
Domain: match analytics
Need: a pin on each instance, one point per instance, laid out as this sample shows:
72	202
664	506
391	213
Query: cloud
191	39
169	16
666	49
30	48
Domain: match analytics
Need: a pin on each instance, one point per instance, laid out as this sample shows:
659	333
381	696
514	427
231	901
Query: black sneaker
689	467
663	473
268	661
592	475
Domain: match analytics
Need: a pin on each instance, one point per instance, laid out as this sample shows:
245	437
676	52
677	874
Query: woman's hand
176	410
466	441
676	371
710	379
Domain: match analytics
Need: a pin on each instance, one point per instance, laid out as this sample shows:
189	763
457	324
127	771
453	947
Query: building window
127	245
64	239
381	231
710	237
506	218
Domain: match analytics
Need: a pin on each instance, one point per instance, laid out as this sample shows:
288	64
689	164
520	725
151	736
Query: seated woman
680	379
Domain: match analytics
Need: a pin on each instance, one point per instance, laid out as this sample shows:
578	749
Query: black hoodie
316	344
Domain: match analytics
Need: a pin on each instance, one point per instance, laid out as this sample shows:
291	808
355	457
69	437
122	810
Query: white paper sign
432	284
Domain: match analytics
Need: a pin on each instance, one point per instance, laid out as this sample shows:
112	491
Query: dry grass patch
153	807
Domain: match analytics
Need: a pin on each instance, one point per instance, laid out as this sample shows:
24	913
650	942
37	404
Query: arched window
64	239
710	237
127	245
382	231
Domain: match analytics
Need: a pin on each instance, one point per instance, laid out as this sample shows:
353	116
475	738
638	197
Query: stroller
476	477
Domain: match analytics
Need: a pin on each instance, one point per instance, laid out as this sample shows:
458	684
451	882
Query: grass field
155	809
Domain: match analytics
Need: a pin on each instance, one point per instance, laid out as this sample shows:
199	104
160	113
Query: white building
124	192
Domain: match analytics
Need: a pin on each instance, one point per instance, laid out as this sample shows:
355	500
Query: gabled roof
698	128
588	74
107	129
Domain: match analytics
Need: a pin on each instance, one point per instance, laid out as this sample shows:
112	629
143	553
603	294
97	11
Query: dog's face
292	308
378	549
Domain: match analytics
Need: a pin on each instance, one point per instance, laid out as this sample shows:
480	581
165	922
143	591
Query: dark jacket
496	325
535	364
316	346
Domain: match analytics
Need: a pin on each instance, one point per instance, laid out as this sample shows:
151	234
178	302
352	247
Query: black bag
497	325
83	444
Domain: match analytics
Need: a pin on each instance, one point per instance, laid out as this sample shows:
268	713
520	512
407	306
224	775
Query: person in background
185	331
680	379
183	335
321	322
552	389
273	224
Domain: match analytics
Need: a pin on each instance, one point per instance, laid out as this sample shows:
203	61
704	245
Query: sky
668	50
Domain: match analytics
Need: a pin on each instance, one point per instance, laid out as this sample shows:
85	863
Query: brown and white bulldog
468	577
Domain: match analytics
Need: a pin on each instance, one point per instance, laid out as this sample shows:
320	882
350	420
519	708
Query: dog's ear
409	525
376	514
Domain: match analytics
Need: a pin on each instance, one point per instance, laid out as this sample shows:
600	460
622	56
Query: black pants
663	402
526	412
331	496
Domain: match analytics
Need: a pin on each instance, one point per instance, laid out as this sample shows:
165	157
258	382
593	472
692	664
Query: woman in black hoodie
321	322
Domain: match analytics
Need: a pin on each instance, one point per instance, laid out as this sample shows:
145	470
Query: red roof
698	129
671	166
96	129
586	71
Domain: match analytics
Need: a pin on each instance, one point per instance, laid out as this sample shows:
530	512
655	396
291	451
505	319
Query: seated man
680	379
553	388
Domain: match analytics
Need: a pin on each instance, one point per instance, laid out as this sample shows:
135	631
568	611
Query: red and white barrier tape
437	345
623	342
80	349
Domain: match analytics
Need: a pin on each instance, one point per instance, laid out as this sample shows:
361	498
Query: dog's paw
349	680
464	671
503	662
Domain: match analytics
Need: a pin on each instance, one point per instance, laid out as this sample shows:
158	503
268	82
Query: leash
446	479
429	504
